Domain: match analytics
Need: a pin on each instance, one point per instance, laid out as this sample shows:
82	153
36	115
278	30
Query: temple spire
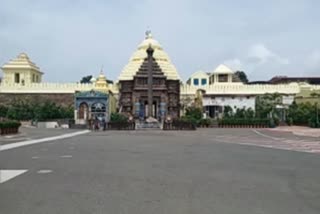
148	34
101	71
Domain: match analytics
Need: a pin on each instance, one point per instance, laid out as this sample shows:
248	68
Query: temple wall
45	88
60	93
238	89
62	99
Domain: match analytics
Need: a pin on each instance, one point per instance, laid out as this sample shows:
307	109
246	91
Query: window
33	78
195	81
203	81
17	78
98	107
223	77
37	78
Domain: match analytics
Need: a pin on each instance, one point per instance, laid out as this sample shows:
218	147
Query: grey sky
70	39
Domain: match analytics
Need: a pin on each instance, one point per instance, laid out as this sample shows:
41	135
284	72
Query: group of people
98	124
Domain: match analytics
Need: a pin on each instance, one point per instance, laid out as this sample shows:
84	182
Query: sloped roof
21	62
200	73
223	69
139	56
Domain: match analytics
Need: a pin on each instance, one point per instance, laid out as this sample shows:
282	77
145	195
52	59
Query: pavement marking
66	156
6	175
31	142
44	171
264	135
35	157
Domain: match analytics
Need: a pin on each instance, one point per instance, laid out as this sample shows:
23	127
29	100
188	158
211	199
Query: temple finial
148	34
101	71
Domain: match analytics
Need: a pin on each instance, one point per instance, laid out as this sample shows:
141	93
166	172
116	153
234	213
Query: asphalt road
160	172
32	134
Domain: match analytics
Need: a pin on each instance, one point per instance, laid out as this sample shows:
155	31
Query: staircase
142	125
214	124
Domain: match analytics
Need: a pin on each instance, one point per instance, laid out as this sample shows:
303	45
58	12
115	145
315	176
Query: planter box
7	131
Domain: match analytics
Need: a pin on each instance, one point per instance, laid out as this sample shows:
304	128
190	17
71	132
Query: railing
292	88
121	126
178	125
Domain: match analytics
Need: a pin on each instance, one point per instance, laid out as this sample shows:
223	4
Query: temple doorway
155	108
83	111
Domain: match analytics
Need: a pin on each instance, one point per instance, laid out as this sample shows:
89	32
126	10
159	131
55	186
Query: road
204	171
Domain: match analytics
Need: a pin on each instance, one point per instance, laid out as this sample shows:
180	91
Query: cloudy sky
70	39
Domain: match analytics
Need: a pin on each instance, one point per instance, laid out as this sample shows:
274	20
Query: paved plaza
230	171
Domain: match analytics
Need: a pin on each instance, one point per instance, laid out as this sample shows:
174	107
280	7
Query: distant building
21	71
286	80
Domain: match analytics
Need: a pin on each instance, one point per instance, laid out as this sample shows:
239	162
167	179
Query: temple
149	86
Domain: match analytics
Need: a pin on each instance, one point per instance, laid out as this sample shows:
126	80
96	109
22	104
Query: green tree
3	111
86	79
193	112
227	111
266	105
242	76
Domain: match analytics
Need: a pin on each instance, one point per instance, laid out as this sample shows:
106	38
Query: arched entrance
83	111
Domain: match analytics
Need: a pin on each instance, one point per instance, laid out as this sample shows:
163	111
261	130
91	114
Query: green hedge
31	110
9	124
117	117
244	122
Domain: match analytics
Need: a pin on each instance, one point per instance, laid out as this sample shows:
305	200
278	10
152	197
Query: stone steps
147	126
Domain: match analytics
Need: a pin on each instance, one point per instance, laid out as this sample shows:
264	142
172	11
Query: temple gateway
149	85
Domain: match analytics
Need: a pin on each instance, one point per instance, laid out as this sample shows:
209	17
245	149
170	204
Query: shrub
289	121
205	122
188	119
26	110
243	122
194	112
3	111
117	117
303	114
9	124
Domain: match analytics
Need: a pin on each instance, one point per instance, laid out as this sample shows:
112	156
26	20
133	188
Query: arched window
98	108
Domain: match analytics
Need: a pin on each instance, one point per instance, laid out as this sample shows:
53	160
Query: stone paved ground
299	130
205	171
269	138
29	133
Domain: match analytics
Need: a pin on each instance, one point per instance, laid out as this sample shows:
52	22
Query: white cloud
313	60
262	55
257	58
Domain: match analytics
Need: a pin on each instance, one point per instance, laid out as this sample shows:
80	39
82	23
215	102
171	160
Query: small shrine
96	104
